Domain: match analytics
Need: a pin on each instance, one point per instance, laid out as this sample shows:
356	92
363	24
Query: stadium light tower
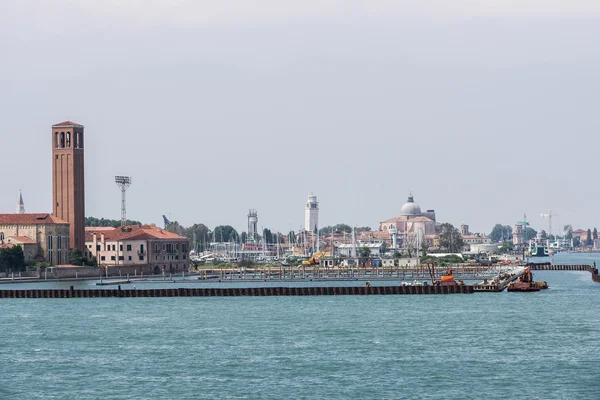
123	183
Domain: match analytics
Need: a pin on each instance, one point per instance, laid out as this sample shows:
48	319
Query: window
112	258
120	247
142	248
129	258
156	248
68	139
121	258
128	247
1	235
156	257
97	247
183	256
114	247
102	258
141	258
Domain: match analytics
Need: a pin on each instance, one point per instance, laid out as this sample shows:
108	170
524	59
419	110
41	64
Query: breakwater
210	292
582	267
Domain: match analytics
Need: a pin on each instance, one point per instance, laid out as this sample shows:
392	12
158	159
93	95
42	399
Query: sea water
542	345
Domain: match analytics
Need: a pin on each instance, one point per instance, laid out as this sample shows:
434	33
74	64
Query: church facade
411	222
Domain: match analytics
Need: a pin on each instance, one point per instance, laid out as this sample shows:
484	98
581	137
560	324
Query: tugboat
525	283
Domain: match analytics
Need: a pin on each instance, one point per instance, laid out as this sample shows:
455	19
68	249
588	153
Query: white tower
252	225
394	234
311	213
20	205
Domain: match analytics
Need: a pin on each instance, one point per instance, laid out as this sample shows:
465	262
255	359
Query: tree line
115	223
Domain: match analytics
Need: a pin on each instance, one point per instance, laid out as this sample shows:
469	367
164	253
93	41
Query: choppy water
497	345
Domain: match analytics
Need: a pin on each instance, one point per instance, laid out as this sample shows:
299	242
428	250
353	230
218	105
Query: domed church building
411	220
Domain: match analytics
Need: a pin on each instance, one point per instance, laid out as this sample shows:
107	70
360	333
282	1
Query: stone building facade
138	249
49	234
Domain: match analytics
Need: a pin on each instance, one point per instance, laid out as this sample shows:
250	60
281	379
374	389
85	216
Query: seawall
593	270
210	292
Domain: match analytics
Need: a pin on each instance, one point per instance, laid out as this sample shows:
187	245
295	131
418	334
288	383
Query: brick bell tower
68	194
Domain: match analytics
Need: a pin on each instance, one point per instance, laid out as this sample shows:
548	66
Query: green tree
595	234
544	234
12	259
568	232
267	236
530	233
76	257
115	223
175	227
450	238
197	231
576	241
224	233
501	233
363	254
506	247
588	239
292	237
339	228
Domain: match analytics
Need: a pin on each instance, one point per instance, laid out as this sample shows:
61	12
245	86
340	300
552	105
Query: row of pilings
208	292
582	267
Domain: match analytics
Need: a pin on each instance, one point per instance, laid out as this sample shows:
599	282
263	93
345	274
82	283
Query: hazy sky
484	109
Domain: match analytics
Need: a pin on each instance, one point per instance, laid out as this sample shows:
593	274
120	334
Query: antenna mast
123	183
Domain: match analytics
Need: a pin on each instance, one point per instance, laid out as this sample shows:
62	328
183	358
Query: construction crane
549	215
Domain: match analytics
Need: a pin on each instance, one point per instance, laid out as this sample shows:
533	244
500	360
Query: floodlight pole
123	183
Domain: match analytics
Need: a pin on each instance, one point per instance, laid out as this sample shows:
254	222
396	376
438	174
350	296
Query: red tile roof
132	232
404	218
21	239
30	219
67	123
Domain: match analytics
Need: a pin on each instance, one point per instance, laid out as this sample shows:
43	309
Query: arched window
1	235
68	139
56	140
62	139
78	140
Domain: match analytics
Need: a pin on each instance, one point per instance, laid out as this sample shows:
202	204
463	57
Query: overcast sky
485	110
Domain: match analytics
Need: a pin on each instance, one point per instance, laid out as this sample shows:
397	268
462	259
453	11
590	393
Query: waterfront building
68	189
42	236
143	248
311	213
412	225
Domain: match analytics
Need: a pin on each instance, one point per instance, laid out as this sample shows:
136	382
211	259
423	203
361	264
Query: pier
581	267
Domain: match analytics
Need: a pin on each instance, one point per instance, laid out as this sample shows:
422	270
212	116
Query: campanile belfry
68	193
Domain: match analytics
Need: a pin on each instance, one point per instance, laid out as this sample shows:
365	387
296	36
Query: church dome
410	208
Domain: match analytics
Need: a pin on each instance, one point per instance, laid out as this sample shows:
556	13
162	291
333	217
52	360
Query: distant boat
538	248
